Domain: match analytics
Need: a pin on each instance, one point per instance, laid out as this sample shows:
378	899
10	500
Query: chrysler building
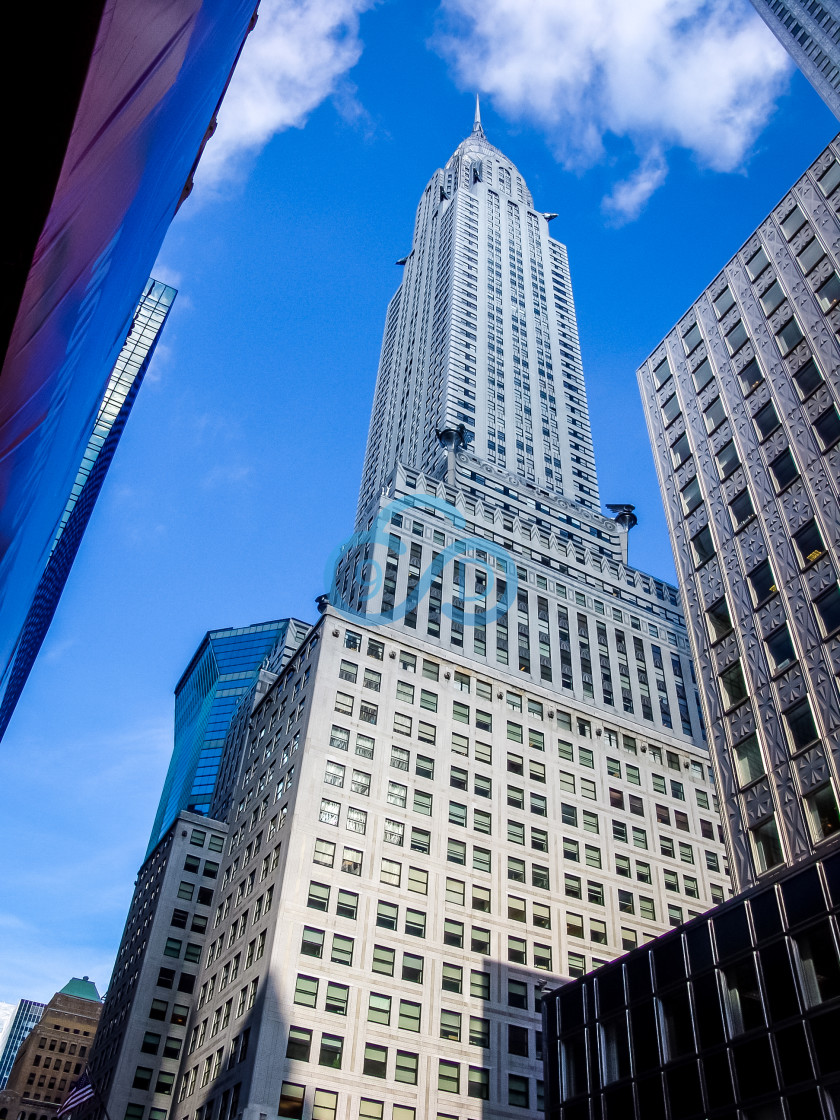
482	333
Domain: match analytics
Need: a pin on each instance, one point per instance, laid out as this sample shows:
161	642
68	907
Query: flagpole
98	1096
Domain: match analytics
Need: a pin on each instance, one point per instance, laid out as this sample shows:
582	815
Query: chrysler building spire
477	129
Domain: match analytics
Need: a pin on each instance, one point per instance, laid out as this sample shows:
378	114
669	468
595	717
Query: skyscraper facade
112	415
742	401
93	198
484	769
810	31
134	1064
737	1012
26	1015
222	670
54	1053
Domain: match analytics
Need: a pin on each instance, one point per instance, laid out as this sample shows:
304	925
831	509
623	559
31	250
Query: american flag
81	1092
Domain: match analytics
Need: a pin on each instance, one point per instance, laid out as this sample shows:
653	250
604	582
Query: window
421	840
319	896
828	610
789	336
702	547
479	941
766	420
482	785
767	847
482	822
733	686
383	960
450	1026
680	450
809	543
539	805
351	861
741	509
723	303
449	1077
390	871
299	1044
375	1061
690	496
453	933
400	758
336	999
516	950
405	692
364	746
405	1070
750	376
517	994
757	264
802	730
291	1100
481	899
727	459
458	777
409	1016
370	1110
418	880
415	923
762	582
714	415
325	1104
334	774
457	814
424	767
818	964
540	875
431	670
386	915
379	1009
342	950
784	469
455	892
348	671
780	648
692	338
344	703
748	761
807	378
736	338
827	427
481	859
329	812
516	869
312	942
480	984
661	372
412	968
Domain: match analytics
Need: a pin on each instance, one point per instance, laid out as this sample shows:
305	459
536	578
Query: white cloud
627	198
701	75
293	59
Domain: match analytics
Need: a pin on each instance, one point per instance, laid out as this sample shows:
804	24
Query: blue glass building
27	1015
109	154
220	674
112	415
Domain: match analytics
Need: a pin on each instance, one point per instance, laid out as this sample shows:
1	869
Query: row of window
474	1082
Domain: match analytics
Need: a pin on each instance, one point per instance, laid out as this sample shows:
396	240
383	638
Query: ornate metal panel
791	478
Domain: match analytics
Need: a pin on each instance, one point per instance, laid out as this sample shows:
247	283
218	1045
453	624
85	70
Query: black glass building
733	1016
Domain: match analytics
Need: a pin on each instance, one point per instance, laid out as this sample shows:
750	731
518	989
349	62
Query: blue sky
661	144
